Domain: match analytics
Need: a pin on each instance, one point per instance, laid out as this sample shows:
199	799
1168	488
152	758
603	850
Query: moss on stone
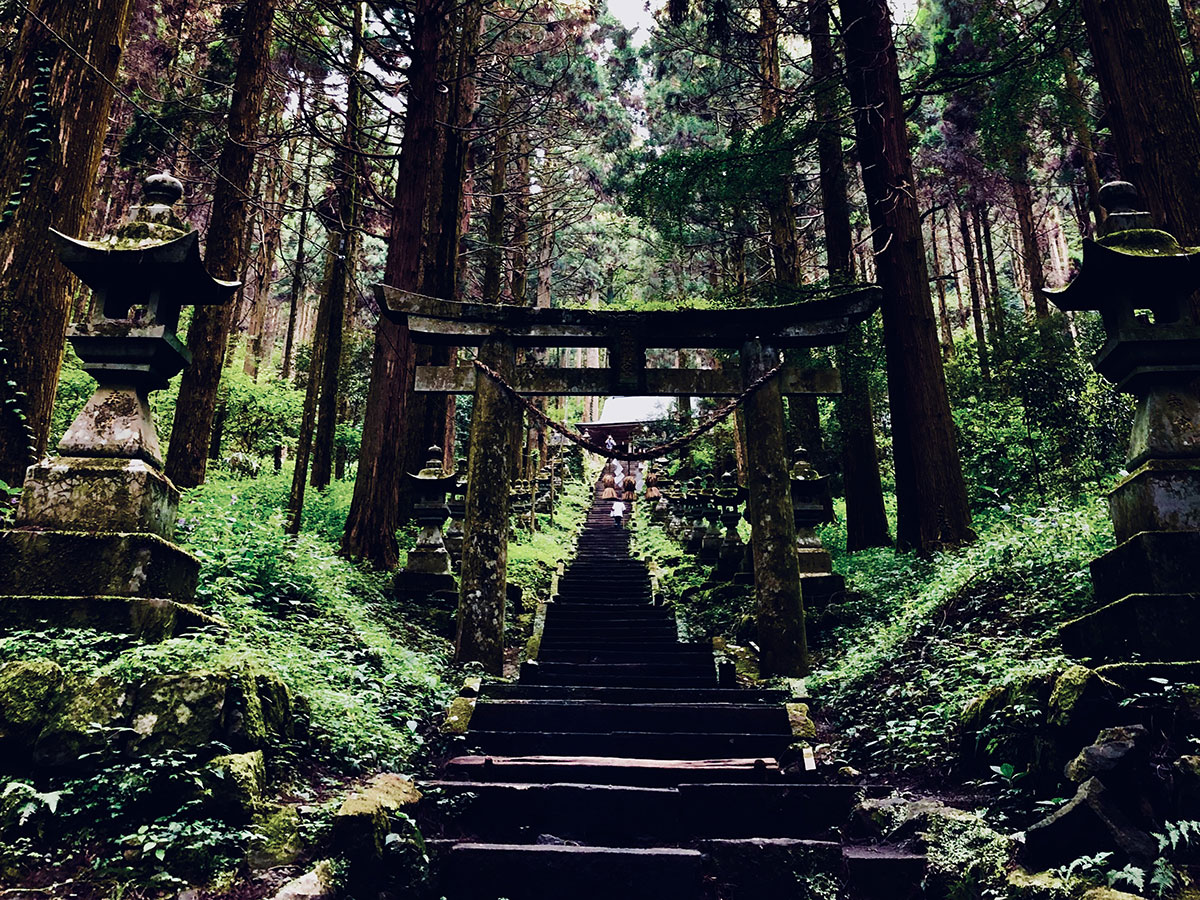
1024	885
180	711
966	857
278	841
802	726
235	784
83	725
458	716
29	692
1069	687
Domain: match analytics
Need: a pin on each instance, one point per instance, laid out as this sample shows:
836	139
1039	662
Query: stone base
818	591
73	564
94	494
1153	562
1161	495
814	561
143	618
409	585
1154	626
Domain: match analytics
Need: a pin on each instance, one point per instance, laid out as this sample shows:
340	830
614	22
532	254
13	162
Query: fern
1131	875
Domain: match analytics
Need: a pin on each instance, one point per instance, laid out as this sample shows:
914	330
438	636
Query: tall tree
371	524
931	495
54	112
208	335
1152	110
866	517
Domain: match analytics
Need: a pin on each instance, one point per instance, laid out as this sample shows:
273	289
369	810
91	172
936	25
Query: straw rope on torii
678	443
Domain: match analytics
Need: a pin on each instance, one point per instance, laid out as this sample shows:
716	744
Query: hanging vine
38	124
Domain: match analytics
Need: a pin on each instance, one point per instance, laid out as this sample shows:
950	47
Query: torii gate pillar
783	646
483	583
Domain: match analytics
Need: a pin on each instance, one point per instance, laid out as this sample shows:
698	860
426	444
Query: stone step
670	654
633	695
639	744
629	816
612	770
704	680
476	871
591	716
588	612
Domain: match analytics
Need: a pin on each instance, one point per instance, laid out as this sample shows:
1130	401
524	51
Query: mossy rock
803	727
966	857
1107	893
30	692
85	724
1024	885
278	842
183	712
234	785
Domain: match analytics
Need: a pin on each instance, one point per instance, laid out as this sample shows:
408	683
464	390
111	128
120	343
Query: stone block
115	422
95	494
1161	495
185	711
1151	562
314	885
413	584
72	564
818	591
83	727
1155	626
1089	822
147	619
362	824
235	784
30	690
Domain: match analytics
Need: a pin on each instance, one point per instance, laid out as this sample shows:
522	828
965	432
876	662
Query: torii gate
758	333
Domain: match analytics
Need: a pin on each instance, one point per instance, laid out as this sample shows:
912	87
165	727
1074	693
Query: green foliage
332	631
258	415
918	639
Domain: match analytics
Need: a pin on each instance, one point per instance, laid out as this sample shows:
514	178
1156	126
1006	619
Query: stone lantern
1141	281
93	538
812	505
428	571
695	509
730	498
453	535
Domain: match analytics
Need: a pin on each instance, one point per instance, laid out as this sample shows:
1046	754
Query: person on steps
618	511
630	485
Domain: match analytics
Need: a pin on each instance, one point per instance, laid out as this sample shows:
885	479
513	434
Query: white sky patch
635	16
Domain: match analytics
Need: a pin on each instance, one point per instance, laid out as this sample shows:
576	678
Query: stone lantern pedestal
93	542
1140	280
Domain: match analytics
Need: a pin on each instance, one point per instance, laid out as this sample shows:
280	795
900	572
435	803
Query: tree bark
1077	109
225	250
785	250
298	272
930	492
981	346
54	112
1030	250
371	524
345	238
943	313
1152	110
866	517
999	339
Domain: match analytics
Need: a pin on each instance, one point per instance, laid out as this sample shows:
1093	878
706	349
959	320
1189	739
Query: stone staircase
620	768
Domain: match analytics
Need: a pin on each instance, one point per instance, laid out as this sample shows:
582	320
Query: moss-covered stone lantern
1142	283
812	505
731	497
92	544
428	571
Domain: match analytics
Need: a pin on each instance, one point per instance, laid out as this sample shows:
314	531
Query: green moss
966	857
29	692
236	783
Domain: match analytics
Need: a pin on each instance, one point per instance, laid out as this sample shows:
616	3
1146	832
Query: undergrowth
916	639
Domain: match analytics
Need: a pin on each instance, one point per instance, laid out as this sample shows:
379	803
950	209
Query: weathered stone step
628	816
633	695
475	871
612	770
882	872
599	612
590	716
704	680
630	643
640	744
671	654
